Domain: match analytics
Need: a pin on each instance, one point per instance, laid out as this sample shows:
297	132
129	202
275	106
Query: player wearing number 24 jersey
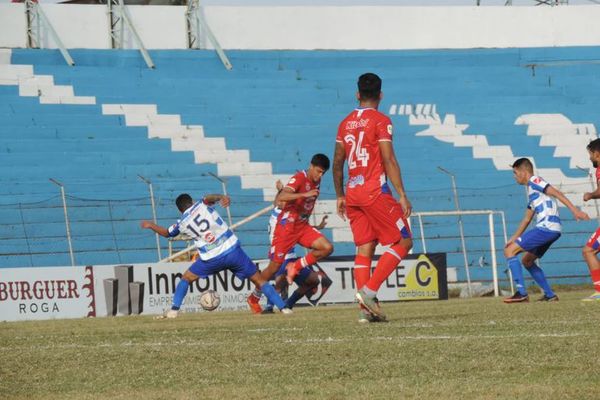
218	247
364	142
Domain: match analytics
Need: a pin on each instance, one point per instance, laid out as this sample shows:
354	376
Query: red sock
362	270
595	273
386	265
305	261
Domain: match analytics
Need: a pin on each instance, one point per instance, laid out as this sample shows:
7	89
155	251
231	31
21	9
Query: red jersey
360	133
300	209
597	174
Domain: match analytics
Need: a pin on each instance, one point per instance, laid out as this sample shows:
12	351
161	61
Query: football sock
180	292
272	295
293	299
362	270
517	273
385	266
595	273
539	278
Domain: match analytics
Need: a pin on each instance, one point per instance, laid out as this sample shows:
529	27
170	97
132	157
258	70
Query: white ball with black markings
210	300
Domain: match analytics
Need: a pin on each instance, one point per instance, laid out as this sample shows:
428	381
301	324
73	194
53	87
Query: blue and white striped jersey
545	207
210	233
272	224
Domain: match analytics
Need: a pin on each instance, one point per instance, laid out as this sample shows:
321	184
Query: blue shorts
235	259
537	241
302	275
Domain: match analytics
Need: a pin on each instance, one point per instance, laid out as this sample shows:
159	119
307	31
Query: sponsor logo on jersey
209	237
356	181
361	123
390	129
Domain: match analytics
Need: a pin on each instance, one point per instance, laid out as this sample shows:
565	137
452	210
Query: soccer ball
210	300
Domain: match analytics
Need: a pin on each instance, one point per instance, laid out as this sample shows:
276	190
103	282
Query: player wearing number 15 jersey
364	142
218	247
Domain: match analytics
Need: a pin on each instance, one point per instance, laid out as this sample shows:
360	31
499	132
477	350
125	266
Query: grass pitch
457	349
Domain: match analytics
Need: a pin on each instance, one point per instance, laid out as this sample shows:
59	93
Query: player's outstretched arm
162	231
338	178
577	213
392	170
223	200
525	221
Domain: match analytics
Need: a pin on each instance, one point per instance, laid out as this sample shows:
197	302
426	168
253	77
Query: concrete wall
323	27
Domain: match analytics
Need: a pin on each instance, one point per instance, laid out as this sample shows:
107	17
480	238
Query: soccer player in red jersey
299	195
592	247
364	141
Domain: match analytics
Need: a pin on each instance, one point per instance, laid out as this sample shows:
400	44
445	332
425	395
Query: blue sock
293	299
269	305
180	292
269	291
539	278
517	273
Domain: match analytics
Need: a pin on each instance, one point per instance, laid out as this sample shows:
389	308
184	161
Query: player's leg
313	239
590	255
538	276
269	291
365	240
181	290
387	220
306	280
511	253
536	242
281	287
243	267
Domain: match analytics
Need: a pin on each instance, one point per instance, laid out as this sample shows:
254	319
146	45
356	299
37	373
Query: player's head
369	88
184	201
522	170
593	149
319	164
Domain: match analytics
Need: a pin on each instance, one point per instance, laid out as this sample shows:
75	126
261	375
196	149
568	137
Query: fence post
64	201
153	205
224	187
460	228
493	250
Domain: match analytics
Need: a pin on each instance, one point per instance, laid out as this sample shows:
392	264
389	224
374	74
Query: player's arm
279	187
162	231
339	157
577	213
288	194
529	213
593	195
211	199
392	170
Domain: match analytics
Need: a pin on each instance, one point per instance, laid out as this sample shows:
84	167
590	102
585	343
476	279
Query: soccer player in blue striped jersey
218	247
535	242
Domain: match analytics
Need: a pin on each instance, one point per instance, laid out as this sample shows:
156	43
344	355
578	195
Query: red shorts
594	241
383	221
287	235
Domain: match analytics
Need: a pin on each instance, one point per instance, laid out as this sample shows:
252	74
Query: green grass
456	349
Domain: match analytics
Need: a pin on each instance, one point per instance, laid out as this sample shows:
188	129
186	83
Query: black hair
320	160
369	86
523	163
184	201
594	145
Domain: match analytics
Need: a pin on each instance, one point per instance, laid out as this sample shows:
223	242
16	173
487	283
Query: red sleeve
340	133
296	181
597	174
383	129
